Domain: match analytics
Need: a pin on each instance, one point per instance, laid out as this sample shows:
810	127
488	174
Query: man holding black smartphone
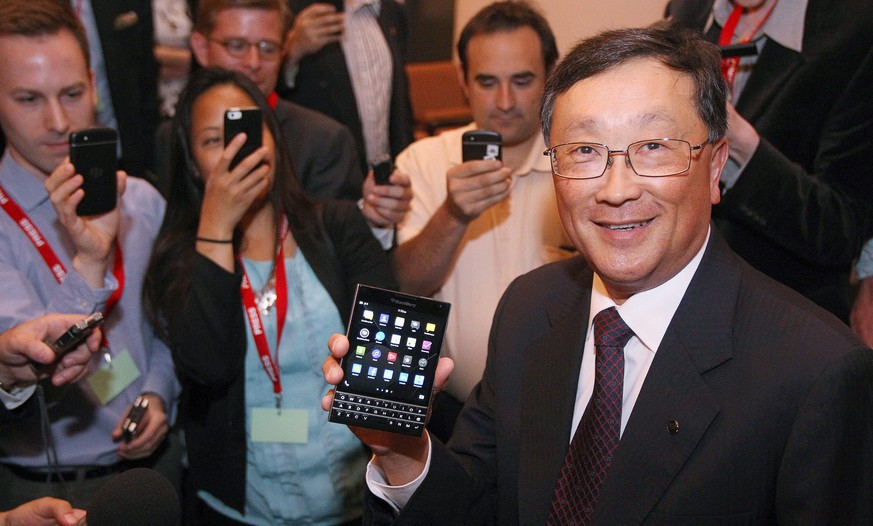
52	259
474	226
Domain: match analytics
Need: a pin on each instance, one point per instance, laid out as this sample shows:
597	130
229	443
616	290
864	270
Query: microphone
136	497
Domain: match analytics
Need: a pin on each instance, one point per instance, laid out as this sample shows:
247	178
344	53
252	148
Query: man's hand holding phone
386	204
315	26
476	186
401	457
481	180
93	236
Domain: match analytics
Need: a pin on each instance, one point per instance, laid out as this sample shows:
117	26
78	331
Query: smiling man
657	378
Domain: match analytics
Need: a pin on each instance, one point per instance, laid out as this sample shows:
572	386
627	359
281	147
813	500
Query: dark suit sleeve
211	346
126	32
826	476
22	412
359	254
334	171
825	215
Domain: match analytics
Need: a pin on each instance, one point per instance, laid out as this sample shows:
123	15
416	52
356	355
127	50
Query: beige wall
575	19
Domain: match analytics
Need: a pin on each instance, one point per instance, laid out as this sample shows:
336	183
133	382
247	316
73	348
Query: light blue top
320	482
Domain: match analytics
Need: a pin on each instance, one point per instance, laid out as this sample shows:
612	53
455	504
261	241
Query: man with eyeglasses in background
247	36
657	378
475	226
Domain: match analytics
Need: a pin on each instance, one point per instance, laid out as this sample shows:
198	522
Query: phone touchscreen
395	341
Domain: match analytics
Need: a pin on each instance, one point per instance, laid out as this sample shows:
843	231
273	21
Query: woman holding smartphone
248	279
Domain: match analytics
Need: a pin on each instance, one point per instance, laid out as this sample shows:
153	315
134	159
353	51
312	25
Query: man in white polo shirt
473	227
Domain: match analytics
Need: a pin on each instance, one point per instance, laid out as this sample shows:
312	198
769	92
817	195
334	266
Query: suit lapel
551	374
698	339
774	67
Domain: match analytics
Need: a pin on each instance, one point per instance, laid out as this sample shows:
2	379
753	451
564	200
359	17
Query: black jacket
209	353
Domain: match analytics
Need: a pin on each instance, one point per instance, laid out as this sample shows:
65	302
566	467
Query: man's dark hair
509	16
37	18
680	49
207	10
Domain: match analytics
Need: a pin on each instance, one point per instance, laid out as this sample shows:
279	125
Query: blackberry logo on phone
387	385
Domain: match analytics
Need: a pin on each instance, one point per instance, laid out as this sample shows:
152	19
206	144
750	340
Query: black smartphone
71	339
481	144
382	167
94	154
243	120
133	418
395	341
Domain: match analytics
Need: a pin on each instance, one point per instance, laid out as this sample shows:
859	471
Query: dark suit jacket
322	153
773	396
323	82
126	37
209	353
803	207
23	411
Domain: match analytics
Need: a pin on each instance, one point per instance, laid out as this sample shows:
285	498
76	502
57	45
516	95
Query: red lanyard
273	99
51	258
729	65
34	235
271	366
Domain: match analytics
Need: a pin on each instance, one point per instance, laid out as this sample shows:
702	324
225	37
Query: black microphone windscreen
137	497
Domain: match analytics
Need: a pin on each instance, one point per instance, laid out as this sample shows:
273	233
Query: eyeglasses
239	48
648	158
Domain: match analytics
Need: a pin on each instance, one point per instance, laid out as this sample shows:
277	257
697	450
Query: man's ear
92	77
200	47
717	161
462	81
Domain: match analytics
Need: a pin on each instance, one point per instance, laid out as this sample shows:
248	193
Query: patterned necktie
596	439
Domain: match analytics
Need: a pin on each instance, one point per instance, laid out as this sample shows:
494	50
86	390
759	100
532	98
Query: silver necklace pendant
265	300
266	297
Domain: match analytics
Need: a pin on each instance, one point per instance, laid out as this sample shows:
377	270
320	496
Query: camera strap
253	314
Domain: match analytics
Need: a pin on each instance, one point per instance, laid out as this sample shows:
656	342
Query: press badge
288	426
111	379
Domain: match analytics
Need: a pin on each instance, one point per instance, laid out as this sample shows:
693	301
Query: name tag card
110	380
290	426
